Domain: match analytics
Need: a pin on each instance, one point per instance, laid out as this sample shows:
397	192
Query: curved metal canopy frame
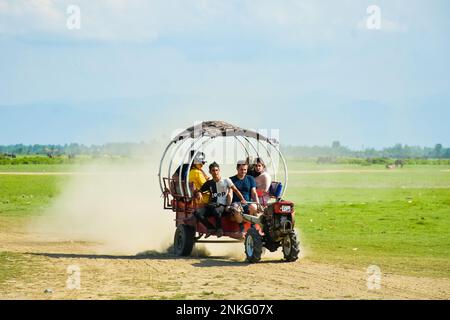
243	146
274	169
286	180
175	152
257	153
210	135
161	164
220	129
251	144
197	152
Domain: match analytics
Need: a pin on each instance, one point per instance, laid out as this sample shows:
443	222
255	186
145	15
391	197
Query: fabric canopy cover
220	129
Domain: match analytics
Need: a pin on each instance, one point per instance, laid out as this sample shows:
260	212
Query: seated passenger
246	184
251	166
263	180
219	190
184	168
198	178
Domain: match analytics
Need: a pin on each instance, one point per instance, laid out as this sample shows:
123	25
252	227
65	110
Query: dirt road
44	261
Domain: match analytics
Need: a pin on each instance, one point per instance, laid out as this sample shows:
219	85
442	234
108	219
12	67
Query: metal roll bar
257	153
204	139
252	145
160	165
169	172
274	169
243	146
284	167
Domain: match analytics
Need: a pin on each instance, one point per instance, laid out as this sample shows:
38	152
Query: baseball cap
199	158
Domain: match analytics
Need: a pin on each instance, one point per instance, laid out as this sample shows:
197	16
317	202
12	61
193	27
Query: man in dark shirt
247	186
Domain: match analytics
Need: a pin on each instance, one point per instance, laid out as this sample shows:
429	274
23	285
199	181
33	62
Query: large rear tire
290	247
253	245
184	240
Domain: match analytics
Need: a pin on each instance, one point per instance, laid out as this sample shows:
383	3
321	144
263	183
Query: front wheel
290	247
253	245
184	240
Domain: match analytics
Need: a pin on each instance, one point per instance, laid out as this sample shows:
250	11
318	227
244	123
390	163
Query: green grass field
396	219
28	195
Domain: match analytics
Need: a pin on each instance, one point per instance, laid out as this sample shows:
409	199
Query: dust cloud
117	206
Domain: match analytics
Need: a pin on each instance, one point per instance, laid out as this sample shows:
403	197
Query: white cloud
143	20
34	16
289	22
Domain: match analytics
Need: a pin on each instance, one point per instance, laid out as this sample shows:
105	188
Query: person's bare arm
255	196
206	176
199	196
229	197
239	194
202	190
266	181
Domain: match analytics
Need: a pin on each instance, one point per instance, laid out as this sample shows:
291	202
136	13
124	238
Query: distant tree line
335	150
75	149
398	151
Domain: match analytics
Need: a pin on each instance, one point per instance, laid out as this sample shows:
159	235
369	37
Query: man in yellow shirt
198	177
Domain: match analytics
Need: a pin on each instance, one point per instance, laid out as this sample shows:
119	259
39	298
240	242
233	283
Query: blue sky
137	70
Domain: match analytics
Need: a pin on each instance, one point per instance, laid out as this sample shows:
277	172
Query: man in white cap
198	177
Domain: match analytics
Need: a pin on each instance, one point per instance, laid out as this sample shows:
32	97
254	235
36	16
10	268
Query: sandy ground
161	275
44	261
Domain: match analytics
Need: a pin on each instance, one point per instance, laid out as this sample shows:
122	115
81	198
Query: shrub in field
427	161
363	161
35	160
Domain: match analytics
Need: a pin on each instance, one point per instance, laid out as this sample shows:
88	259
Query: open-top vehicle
272	228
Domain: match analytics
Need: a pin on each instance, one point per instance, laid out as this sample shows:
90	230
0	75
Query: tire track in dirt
161	275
